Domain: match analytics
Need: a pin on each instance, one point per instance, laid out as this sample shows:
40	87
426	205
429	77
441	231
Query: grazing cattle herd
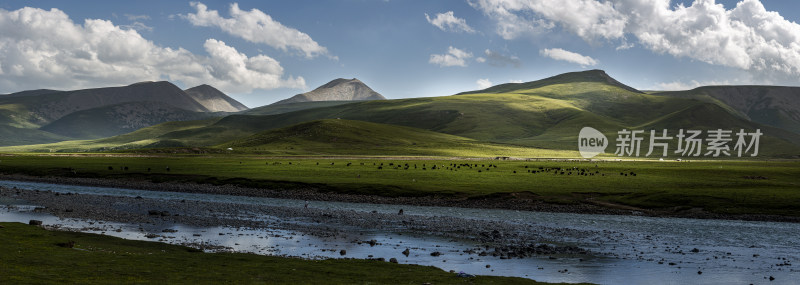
480	168
444	167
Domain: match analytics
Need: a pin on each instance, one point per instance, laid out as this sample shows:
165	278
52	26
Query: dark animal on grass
69	244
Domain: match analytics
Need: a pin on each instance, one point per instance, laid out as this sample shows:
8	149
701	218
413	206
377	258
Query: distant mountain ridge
214	100
49	115
119	119
594	75
777	106
337	90
53	106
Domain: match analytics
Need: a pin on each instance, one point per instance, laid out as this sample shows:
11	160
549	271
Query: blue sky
263	51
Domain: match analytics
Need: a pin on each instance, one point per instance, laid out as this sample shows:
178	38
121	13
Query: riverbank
69	257
521	201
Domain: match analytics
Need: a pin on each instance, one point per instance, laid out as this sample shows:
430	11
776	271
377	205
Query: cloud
132	17
589	19
453	57
139	26
500	60
625	45
46	49
449	22
483	83
746	37
679	85
229	68
257	27
560	54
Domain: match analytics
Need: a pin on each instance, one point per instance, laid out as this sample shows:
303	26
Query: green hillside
545	114
776	106
274	109
22	136
141	138
589	76
346	137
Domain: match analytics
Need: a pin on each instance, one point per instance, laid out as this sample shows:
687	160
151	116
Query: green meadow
726	187
32	255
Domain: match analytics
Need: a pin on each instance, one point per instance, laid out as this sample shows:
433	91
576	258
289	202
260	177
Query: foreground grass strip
31	254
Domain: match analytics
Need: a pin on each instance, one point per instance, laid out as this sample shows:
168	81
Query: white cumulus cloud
46	49
483	83
746	37
589	19
565	55
447	21
257	27
453	57
229	69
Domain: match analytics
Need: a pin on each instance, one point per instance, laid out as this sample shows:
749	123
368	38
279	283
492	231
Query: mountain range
41	116
543	114
776	106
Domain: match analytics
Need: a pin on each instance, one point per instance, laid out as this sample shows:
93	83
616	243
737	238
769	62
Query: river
625	249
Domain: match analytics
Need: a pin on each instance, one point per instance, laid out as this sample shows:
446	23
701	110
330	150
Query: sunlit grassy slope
141	138
346	137
546	114
291	107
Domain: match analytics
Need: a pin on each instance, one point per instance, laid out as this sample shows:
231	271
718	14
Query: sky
260	52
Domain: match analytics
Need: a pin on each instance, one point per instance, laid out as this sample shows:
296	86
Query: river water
626	249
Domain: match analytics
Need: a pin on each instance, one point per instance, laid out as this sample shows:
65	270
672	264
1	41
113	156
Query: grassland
347	137
31	255
291	107
725	187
